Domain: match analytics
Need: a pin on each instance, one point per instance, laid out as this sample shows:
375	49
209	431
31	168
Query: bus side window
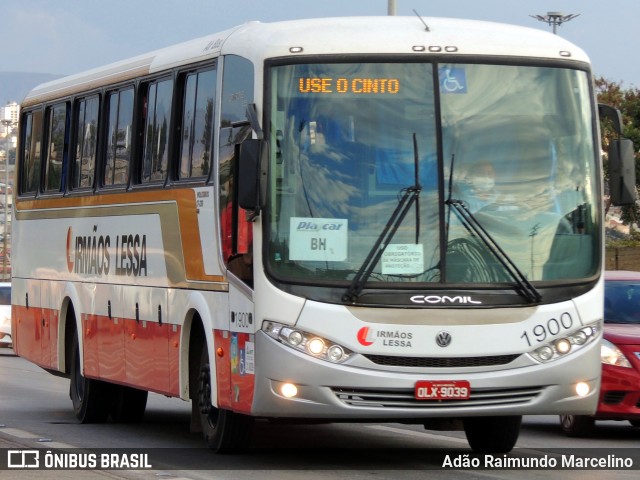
120	120
157	119
196	143
235	230
32	141
86	141
57	147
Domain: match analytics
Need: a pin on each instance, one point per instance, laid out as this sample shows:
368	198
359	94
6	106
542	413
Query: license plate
443	390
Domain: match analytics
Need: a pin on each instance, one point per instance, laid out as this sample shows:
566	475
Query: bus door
236	231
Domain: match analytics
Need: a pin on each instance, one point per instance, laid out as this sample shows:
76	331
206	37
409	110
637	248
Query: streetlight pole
7	124
391	7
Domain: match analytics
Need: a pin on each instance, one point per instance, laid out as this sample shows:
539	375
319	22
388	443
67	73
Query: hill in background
14	86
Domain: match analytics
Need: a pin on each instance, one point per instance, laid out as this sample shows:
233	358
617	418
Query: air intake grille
613	398
405	398
439	362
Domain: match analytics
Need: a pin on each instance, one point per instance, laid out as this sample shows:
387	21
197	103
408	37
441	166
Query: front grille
612	398
369	398
439	362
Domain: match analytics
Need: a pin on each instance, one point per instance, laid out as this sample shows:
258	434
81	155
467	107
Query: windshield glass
622	302
514	145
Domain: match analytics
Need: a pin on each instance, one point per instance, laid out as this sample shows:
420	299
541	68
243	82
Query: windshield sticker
453	80
318	239
403	259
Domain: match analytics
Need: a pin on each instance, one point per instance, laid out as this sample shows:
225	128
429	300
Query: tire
635	423
224	431
91	398
128	404
492	434
577	425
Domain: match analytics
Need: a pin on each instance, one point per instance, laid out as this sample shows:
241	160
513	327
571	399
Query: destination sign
343	85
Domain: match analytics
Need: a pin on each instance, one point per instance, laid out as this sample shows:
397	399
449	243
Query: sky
69	36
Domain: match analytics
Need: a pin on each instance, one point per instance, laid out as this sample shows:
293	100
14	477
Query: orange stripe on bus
184	199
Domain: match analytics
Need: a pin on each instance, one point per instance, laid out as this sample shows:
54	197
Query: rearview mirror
249	175
622	172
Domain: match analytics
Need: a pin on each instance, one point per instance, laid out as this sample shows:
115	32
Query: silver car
5	315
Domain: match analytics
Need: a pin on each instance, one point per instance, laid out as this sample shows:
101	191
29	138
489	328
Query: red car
620	391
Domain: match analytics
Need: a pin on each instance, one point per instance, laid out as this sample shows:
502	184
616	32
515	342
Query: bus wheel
577	425
492	434
223	430
91	398
128	404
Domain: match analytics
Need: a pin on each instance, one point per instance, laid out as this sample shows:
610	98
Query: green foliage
632	240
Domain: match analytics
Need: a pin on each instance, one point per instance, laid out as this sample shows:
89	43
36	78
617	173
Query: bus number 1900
242	319
541	332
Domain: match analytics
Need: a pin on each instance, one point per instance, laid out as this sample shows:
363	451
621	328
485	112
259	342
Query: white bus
348	219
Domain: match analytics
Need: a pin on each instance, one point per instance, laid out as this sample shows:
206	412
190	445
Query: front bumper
620	394
342	391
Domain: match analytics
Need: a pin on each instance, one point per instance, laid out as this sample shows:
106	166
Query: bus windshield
512	147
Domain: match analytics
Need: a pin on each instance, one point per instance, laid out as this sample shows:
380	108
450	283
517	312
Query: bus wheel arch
224	431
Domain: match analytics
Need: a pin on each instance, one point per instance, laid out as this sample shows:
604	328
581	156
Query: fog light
289	390
582	389
563	346
316	346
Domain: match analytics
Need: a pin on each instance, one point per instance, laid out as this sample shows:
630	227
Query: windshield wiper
523	286
410	196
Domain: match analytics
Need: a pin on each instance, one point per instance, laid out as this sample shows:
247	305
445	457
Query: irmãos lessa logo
367	336
93	254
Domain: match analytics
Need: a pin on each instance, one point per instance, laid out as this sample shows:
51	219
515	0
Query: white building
11	112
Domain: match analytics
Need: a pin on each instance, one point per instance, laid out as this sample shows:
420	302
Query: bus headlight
559	347
305	342
315	346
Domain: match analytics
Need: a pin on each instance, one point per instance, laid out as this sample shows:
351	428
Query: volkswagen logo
443	339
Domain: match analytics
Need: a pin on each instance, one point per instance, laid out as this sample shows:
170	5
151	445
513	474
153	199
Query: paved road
36	413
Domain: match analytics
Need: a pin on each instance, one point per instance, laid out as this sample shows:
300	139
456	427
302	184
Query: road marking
45	442
413	433
15	432
57	445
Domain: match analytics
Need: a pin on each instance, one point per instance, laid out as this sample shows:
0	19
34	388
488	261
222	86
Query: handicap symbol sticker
453	80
